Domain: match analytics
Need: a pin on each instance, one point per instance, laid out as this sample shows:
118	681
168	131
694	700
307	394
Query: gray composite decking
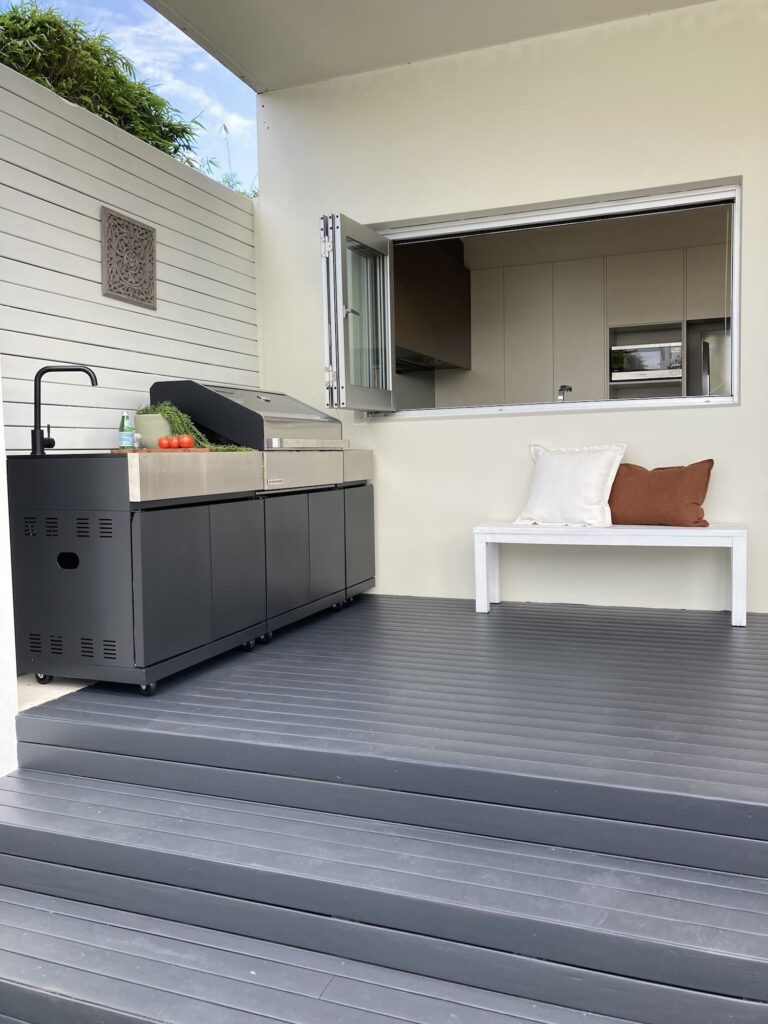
622	714
63	961
563	804
277	869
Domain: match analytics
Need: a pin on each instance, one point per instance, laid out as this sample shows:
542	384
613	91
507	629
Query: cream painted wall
665	100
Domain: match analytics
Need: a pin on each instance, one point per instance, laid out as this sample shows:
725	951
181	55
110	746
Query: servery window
626	304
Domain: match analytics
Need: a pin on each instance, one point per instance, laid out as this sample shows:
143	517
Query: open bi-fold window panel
628	302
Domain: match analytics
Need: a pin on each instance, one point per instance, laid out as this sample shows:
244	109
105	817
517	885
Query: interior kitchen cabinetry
578	297
483	384
528	348
645	288
431	305
590	306
707	284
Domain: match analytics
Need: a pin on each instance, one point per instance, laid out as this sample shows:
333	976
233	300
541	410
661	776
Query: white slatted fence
58	166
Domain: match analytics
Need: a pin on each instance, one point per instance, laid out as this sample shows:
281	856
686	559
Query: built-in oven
653	360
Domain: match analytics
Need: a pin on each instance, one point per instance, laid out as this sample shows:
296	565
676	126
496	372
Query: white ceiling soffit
275	44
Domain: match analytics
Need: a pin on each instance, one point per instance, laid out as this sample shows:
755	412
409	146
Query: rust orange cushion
669	496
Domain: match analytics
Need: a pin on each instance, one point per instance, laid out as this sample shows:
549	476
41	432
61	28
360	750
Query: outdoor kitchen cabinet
327	553
199	576
129	567
172	582
312	538
287	546
358	524
130	591
238	566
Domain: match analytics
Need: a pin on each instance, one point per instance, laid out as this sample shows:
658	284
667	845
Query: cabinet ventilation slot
105	528
109	649
35	643
30	526
51	527
82	527
87	647
55	644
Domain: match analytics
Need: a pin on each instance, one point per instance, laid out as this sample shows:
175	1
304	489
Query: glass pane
632	307
366	298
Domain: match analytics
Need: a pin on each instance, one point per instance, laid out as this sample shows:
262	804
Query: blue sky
183	73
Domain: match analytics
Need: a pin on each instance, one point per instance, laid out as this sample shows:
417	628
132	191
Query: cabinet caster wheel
265	638
337	607
248	645
42	677
148	689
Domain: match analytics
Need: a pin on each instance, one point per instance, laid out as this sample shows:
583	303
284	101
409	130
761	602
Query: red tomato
173	442
163	442
186	441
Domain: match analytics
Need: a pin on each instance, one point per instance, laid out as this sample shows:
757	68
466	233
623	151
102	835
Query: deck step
606	934
63	961
521	724
624	838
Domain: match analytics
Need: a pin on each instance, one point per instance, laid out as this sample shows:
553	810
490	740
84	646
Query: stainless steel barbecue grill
294	444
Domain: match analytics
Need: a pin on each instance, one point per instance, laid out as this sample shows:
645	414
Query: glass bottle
125	431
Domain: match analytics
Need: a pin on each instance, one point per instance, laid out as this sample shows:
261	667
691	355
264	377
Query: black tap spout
39	440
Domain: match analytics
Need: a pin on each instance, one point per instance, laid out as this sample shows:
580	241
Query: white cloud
91	14
179	70
162	55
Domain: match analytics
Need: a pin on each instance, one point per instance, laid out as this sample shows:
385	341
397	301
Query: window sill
544	408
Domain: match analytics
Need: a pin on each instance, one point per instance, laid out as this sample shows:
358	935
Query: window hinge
331	377
326	246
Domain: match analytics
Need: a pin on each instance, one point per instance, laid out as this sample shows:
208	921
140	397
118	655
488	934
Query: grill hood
253	419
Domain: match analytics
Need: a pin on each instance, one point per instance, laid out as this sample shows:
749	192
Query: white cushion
570	486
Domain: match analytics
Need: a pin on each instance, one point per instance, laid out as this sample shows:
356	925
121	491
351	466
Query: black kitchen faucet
41	441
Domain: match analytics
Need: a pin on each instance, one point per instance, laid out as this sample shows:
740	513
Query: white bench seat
488	537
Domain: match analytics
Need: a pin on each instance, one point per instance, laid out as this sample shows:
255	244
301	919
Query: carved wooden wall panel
128	259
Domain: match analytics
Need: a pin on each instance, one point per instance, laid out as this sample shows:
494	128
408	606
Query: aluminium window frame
336	231
668	199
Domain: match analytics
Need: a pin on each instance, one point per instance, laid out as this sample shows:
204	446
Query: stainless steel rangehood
254	419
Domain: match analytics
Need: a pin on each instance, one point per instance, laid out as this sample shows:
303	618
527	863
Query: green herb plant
180	423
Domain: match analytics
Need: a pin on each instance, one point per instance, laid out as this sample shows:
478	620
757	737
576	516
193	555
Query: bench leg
739	581
494	569
482	603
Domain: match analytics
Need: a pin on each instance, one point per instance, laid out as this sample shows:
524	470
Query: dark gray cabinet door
287	534
172	582
326	543
238	570
358	503
72	593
